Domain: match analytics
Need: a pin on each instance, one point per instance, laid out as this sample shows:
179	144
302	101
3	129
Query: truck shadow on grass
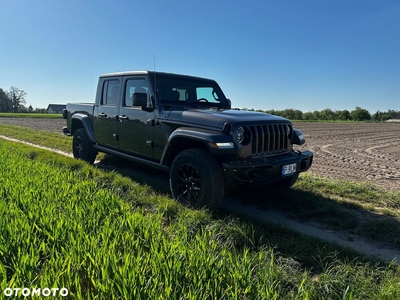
309	207
298	207
366	231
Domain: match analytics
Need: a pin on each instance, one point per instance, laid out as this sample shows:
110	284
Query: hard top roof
128	73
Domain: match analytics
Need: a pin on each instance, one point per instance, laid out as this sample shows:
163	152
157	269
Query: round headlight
240	134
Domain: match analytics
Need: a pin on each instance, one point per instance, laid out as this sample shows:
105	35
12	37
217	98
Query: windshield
190	91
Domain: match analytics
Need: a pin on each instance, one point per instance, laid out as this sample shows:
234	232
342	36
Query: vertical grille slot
273	136
254	142
269	139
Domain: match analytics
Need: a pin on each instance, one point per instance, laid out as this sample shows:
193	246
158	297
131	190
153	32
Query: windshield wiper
172	103
180	105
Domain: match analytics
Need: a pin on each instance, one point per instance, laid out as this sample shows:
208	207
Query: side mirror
65	113
298	138
229	102
139	99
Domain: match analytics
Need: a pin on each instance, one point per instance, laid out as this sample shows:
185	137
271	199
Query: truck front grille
270	139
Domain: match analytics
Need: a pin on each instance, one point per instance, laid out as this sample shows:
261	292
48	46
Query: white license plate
288	169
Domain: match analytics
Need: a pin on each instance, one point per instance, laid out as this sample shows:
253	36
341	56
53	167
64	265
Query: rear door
106	112
136	125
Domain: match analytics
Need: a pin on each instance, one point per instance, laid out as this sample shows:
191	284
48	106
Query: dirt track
355	151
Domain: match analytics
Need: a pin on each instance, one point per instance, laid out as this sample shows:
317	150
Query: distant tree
23	109
17	97
30	108
40	110
393	114
360	114
308	116
344	115
377	117
298	115
288	113
5	102
316	115
380	116
327	114
283	113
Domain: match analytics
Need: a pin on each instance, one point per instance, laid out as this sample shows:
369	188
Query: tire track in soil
360	163
355	151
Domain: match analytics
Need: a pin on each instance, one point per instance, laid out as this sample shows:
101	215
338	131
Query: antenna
155	81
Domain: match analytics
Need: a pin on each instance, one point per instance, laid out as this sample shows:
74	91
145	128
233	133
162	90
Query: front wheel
196	179
82	148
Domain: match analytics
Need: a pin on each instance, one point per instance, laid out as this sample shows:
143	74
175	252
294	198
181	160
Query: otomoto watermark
36	292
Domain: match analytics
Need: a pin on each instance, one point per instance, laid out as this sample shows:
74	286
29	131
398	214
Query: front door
135	126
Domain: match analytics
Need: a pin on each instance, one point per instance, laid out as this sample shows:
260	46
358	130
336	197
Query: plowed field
354	151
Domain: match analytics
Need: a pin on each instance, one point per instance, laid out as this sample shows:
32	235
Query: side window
207	93
137	88
110	92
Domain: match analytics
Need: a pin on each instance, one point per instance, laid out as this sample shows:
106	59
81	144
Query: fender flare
86	123
204	136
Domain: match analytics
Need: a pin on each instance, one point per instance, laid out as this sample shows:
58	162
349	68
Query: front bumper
268	169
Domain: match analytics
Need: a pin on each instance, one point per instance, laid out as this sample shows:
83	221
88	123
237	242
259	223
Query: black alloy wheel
189	183
196	179
82	148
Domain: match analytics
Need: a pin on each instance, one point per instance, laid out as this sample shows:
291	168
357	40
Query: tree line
13	100
327	114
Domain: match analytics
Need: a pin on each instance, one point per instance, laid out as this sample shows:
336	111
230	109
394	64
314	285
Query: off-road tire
82	148
196	179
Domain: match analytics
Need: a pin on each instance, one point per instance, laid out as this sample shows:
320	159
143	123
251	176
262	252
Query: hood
216	118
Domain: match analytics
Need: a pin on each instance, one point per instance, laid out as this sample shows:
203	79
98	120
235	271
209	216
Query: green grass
101	235
39	137
363	195
356	208
30	115
334	203
371	211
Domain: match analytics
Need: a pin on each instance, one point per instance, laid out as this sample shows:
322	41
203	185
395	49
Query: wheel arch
190	138
179	144
79	120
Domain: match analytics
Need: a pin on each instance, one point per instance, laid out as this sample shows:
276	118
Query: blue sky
307	55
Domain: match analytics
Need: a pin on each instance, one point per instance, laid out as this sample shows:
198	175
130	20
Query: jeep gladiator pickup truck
185	126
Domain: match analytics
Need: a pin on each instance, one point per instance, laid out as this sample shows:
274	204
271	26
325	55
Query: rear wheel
196	179
82	148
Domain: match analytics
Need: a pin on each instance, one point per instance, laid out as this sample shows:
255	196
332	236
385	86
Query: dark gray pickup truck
185	126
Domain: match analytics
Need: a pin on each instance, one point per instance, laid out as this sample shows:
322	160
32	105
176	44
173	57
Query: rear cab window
110	92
